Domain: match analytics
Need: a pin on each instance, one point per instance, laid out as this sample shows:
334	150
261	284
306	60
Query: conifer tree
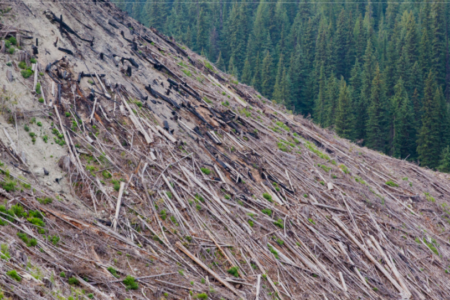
319	107
246	72
444	162
428	143
344	115
267	75
404	129
377	115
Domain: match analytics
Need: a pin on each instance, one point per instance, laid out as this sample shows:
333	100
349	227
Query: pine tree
331	101
444	163
404	129
267	75
277	91
366	92
202	33
428	143
246	72
256	80
377	115
302	104
319	107
220	63
344	114
341	45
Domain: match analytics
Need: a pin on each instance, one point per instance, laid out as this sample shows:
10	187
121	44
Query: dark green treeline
378	73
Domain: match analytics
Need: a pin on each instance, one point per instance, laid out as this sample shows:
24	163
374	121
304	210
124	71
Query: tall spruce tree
344	114
429	143
376	125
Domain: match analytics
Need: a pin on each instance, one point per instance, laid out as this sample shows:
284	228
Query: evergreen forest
377	73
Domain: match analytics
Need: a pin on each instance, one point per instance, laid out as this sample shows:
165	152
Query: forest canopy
378	73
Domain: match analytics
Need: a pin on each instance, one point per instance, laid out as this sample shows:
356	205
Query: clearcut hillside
132	168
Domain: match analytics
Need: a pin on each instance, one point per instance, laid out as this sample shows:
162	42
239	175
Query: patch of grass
268	197
279	223
73	281
234	271
45	138
282	125
283	147
163	214
325	168
201	296
54	239
311	221
316	151
169	194
206	171
11	50
207	100
46	200
33	60
273	251
344	169
4	252
209	66
38	88
429	197
267	211
226	103
391	183
62	274
8	185
251	223
29	242
187	72
130	283
431	245
359	180
14	275
113	272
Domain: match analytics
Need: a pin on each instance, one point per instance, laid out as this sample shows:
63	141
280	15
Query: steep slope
166	180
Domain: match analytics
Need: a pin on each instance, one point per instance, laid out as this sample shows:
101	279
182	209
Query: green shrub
226	103
273	251
113	272
22	65
169	194
11	50
201	296
46	200
279	223
14	275
163	214
206	171
54	239
38	88
8	185
62	274
228	197
251	223
24	237
4	252
106	174
130	283
267	211
268	197
27	73
33	60
73	281
13	41
234	271
37	222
